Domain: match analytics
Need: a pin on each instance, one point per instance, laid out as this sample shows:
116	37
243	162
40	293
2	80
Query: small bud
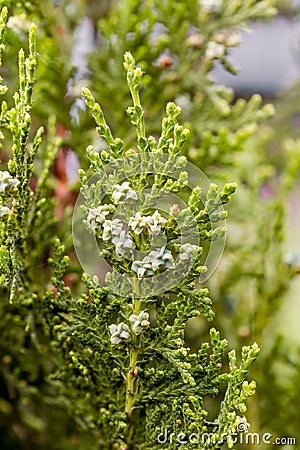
174	209
165	61
221	37
194	40
233	40
4	211
214	50
244	332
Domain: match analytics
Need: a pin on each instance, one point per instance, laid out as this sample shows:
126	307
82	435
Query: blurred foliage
176	44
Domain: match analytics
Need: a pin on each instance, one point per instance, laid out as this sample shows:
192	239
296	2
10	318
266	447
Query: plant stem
132	382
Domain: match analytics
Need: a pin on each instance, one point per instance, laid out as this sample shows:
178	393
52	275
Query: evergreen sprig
129	373
22	209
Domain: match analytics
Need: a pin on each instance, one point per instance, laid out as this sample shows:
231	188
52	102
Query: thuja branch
152	380
23	231
132	386
135	112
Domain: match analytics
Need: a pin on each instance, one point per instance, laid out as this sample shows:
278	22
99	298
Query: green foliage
24	226
27	223
127	367
281	366
177	47
176	44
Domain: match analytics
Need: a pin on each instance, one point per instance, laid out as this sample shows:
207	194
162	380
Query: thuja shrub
104	330
126	370
178	44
